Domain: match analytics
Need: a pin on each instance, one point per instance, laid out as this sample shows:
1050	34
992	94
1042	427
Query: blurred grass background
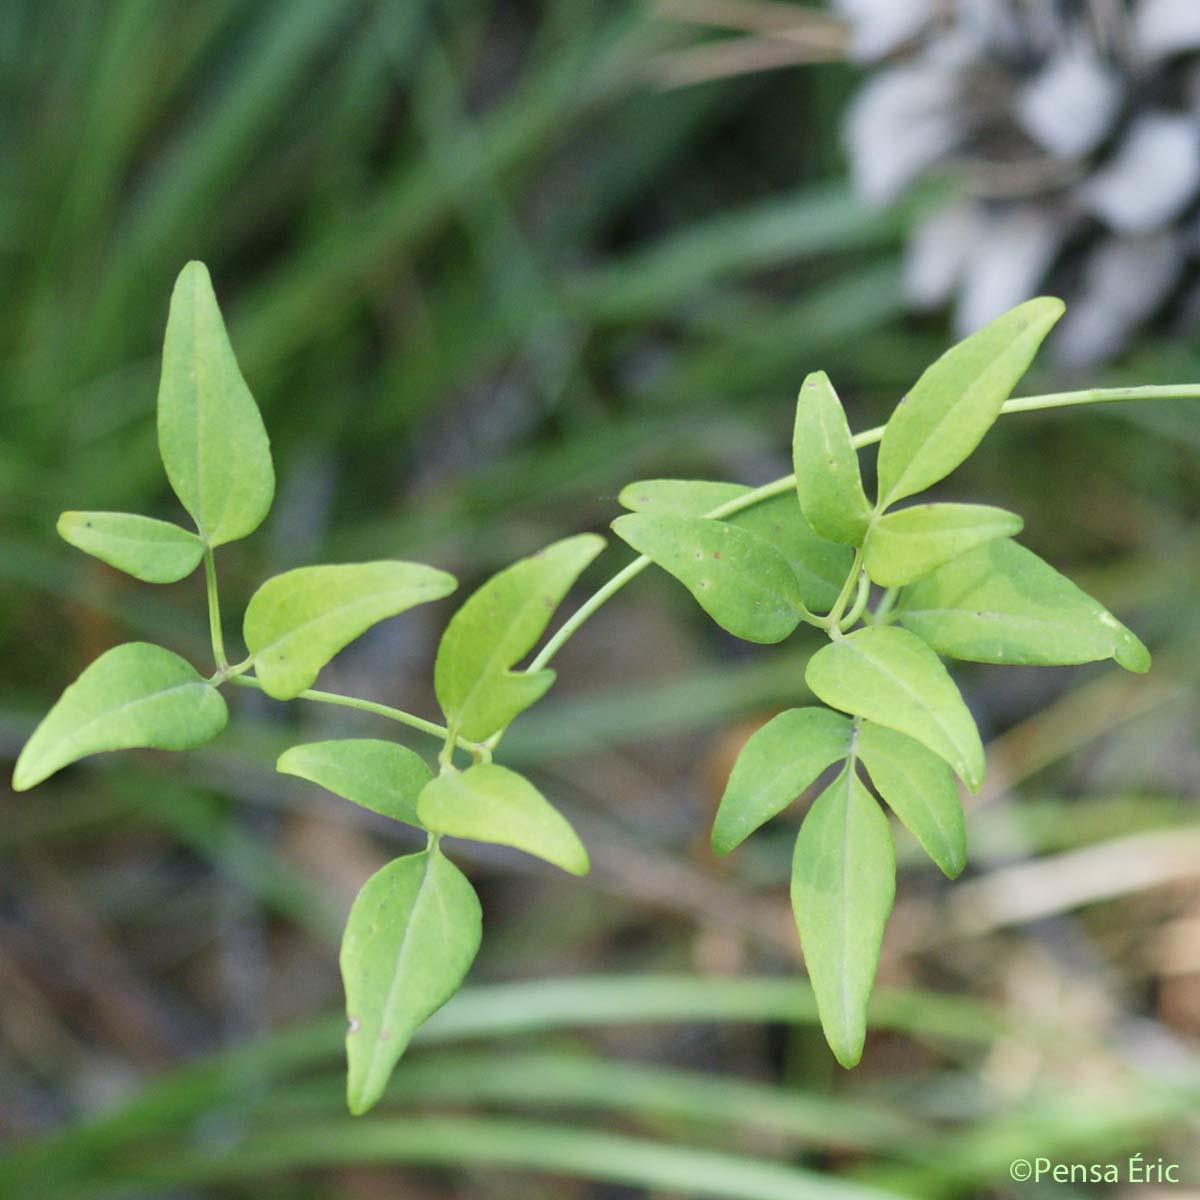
480	271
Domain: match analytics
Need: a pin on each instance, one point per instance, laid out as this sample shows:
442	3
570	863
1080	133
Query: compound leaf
383	776
133	695
1001	603
412	934
497	626
738	578
489	803
775	765
954	403
149	550
891	676
828	479
843	885
919	788
210	434
296	622
820	565
911	542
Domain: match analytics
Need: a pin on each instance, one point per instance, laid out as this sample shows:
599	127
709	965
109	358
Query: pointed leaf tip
134	695
211	437
411	936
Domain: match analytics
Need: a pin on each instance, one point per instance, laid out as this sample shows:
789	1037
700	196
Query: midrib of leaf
909	692
851	759
937	427
402	950
337	610
198	419
902	768
112	712
1027	621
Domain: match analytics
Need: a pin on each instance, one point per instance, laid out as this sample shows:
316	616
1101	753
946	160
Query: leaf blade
134	695
890	676
411	937
150	550
383	776
819	564
211	437
776	764
1001	603
498	625
956	400
843	886
739	579
490	803
828	478
910	542
919	788
297	621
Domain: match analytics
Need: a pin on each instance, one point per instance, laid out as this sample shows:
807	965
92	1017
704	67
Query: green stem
860	602
214	610
868	437
373	707
833	622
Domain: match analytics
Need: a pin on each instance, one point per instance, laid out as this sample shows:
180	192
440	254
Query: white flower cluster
1071	130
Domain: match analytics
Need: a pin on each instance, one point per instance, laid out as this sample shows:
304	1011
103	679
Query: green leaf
296	622
412	934
1002	603
385	777
150	550
210	433
904	545
949	409
828	479
777	763
497	626
920	789
739	579
843	885
820	565
489	803
132	695
891	676
688	497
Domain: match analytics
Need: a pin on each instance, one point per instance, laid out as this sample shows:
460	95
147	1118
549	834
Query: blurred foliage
480	273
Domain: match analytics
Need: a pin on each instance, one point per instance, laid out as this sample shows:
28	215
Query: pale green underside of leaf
1001	603
385	777
820	565
210	434
828	479
149	550
489	803
296	622
738	578
495	628
954	403
910	542
843	885
778	762
412	935
891	676
135	695
920	789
